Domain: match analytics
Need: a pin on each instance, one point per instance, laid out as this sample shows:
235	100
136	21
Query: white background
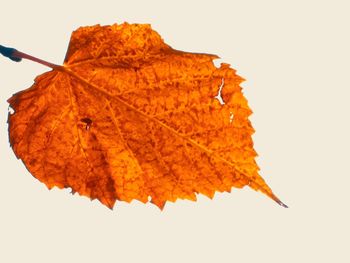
295	57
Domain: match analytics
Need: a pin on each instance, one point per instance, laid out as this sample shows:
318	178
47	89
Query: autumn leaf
127	117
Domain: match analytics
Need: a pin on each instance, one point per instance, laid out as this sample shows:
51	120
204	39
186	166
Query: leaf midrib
184	137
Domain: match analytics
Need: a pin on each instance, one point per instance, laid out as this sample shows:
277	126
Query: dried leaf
128	117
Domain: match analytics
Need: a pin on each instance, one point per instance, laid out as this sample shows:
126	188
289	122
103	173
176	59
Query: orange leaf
128	117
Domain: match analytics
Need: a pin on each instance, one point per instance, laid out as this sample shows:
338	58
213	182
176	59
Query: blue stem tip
10	53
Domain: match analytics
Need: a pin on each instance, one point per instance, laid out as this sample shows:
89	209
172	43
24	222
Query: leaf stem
17	56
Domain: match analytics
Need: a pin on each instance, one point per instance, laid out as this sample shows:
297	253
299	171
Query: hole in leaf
88	123
11	110
231	117
219	93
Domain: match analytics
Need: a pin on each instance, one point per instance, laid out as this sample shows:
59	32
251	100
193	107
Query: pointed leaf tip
277	200
281	203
